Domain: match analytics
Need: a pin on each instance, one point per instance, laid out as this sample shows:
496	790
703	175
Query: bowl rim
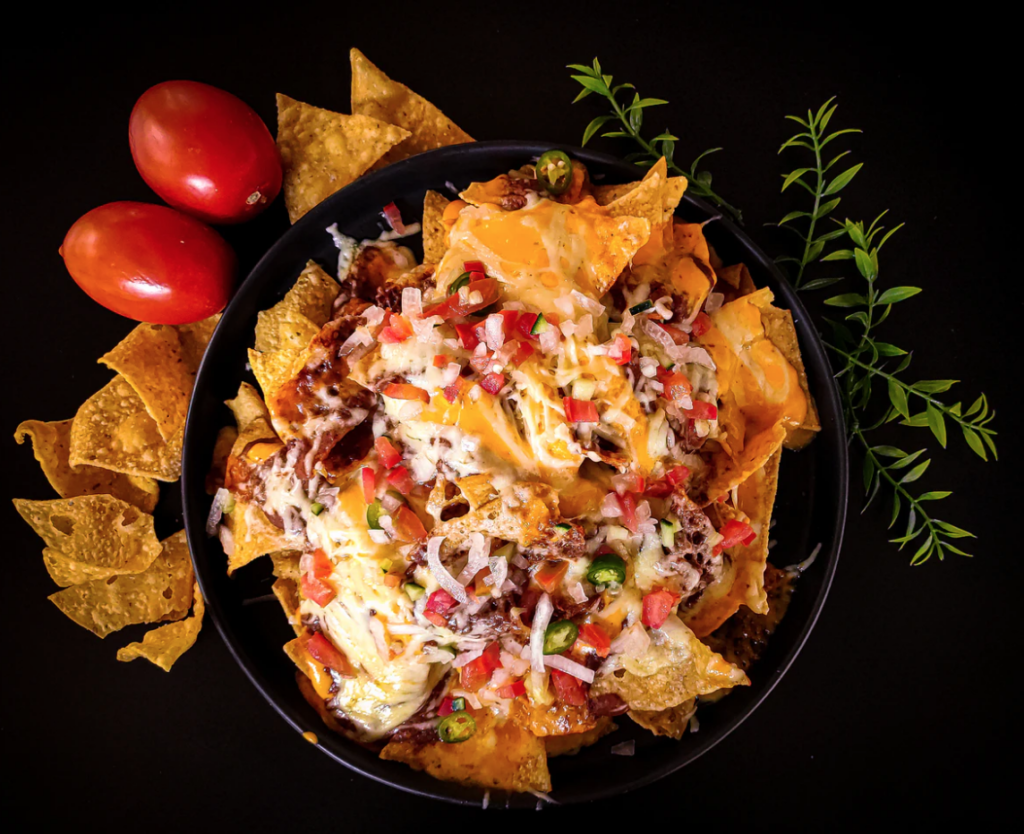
194	466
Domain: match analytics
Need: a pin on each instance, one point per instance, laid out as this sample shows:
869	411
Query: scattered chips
51	444
164	645
194	339
113	430
150	360
377	96
435	232
163	591
322	151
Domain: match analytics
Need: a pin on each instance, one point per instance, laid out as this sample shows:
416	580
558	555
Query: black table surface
903	704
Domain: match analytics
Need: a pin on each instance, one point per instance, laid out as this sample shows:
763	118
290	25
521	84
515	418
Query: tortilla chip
780	329
377	96
287	593
502	756
672	722
164	645
151	361
194	339
253	535
729	472
322	151
295	320
247	406
477	490
51	444
112	430
535	516
286	564
670	673
274	369
738	277
435	232
95	530
161	592
571	744
670	189
643	201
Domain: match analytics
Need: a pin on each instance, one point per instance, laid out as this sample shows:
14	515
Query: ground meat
389	294
691	558
373	266
557	544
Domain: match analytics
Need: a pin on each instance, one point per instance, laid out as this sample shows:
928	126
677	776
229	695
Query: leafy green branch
813	179
630	115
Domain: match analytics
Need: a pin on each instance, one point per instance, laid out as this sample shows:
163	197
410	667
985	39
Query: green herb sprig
630	116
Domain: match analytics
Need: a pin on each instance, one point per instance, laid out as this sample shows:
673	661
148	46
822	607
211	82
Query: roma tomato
204	151
150	263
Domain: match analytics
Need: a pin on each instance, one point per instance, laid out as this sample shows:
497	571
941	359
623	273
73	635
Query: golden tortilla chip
151	361
525	524
247	406
377	96
729	472
253	535
738	277
671	190
643	201
225	441
51	445
742	581
477	490
164	645
112	430
322	151
161	592
194	338
780	329
274	369
98	531
498	756
286	565
672	722
670	672
287	593
295	320
571	744
435	232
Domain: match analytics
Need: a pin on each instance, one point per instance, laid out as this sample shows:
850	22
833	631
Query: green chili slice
539	326
641	307
560	636
456	727
554	171
373	514
458	704
460	282
607	569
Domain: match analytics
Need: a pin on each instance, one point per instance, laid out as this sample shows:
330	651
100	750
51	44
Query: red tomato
401	480
677	475
493	383
405	391
735	532
326	653
477	672
388	454
569	689
657	606
701	324
512	690
369	484
319	590
408	526
580	411
150	263
591	634
440	601
204	151
549	575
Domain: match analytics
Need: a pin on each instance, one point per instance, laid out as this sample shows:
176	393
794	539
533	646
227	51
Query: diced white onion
714	302
378	536
444	579
541	618
379	638
691	355
570	667
564	305
477	558
425	329
610	506
585	326
632	641
374	315
568	328
216	511
451	373
412	302
466	657
499	573
494	331
659	334
587	303
390	503
520	561
577	593
628	320
549	340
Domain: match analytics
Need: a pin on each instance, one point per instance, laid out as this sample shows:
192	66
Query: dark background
902	704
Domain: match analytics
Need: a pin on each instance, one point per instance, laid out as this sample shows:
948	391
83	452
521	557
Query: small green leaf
860	317
886	349
839	255
615	134
856	233
826	209
976	406
904	462
938	495
923	552
954	531
793	176
987	437
814	250
934	386
895	294
840	182
838	133
793	215
904	364
915	473
917	421
820	283
595	85
594	127
889	451
895	509
937	424
865	265
850	299
971	436
579	68
869	472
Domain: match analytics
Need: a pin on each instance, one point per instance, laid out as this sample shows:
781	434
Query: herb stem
805	257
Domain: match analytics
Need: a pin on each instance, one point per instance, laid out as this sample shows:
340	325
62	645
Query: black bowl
811	504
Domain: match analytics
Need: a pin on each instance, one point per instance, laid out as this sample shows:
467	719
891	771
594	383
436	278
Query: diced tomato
630	482
657	606
404	391
701	324
568	689
401	480
523	352
477	672
460	303
388	454
735	532
512	690
436	619
680	337
659	489
467	335
440	601
398	329
451	393
702	411
493	383
408	526
549	575
441	359
442	309
480	588
323	651
677	384
677	475
508	324
322	567
591	634
446	706
525	323
318	590
394	218
628	503
473	266
369	484
621	349
580	411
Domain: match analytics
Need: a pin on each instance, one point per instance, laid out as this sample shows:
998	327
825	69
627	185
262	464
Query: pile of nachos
524	486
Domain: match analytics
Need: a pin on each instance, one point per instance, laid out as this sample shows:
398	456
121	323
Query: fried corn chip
150	360
435	232
253	535
477	490
780	329
194	339
670	673
643	201
51	444
161	592
670	190
274	369
377	96
100	532
322	151
571	744
672	722
226	437
112	430
164	645
295	320
742	582
497	756
738	277
287	593
286	565
247	406
526	524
